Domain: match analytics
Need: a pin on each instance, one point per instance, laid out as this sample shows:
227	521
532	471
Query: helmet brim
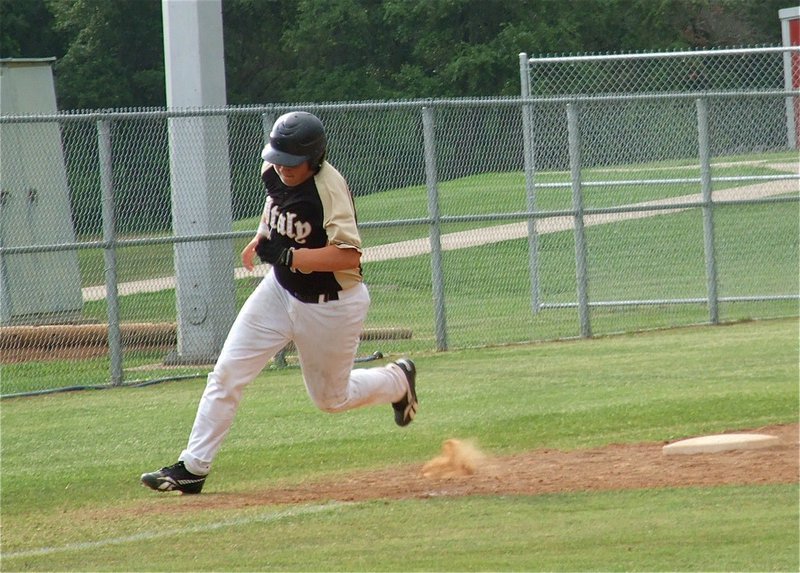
278	157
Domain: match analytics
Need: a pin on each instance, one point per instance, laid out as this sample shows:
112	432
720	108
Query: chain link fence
618	193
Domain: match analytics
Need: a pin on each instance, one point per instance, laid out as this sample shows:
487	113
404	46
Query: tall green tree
27	30
470	47
115	55
340	50
110	53
257	67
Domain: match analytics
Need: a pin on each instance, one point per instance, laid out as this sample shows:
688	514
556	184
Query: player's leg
261	329
327	337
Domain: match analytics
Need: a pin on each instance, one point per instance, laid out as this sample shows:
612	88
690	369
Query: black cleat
174	478
406	408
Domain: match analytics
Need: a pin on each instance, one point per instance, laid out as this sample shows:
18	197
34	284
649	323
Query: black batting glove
273	252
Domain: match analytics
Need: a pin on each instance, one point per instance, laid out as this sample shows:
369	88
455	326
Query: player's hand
273	252
248	253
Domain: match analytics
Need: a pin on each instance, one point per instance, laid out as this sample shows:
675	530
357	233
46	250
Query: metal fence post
530	176
437	272
708	209
581	269
109	250
267	119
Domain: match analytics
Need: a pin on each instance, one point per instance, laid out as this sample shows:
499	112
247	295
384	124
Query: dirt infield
616	467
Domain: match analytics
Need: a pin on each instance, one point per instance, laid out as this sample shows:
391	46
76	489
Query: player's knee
220	389
331	407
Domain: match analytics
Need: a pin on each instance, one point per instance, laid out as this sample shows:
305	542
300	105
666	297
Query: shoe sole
404	413
165	484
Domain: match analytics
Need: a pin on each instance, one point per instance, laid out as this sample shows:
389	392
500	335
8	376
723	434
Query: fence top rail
666	95
660	55
160	113
167	113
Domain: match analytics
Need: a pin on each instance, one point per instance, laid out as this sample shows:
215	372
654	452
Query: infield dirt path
615	467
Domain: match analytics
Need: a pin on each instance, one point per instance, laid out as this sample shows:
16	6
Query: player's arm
326	259
343	251
249	252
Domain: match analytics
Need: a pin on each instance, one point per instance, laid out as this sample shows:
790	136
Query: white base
720	443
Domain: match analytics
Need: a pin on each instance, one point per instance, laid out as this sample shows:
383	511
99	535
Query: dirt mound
616	467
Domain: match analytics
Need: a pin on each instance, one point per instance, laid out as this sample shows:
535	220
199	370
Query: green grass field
70	498
484	194
487	290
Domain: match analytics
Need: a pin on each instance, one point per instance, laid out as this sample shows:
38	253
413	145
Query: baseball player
313	295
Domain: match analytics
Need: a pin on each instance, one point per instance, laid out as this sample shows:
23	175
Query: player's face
294	176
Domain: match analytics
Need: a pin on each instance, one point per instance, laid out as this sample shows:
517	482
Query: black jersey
314	214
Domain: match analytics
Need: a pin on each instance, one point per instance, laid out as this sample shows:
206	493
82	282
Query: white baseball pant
326	336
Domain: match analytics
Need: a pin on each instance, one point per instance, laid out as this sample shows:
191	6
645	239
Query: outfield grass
488	289
631	260
659	258
70	463
483	194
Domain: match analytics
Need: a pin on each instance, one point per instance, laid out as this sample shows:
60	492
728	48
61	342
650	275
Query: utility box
38	286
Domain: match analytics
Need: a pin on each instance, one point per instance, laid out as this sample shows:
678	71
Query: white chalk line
171	532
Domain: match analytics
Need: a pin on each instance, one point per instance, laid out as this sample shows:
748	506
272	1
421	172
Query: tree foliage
110	54
27	30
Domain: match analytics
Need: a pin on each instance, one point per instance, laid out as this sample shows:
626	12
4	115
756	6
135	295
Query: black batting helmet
296	137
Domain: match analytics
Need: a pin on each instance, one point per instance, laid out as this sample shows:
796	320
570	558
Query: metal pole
530	176
109	252
708	210
581	267
437	272
267	119
200	178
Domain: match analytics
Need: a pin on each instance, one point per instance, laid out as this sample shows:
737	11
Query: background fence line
485	221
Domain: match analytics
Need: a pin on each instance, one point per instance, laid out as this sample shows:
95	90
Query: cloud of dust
458	458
